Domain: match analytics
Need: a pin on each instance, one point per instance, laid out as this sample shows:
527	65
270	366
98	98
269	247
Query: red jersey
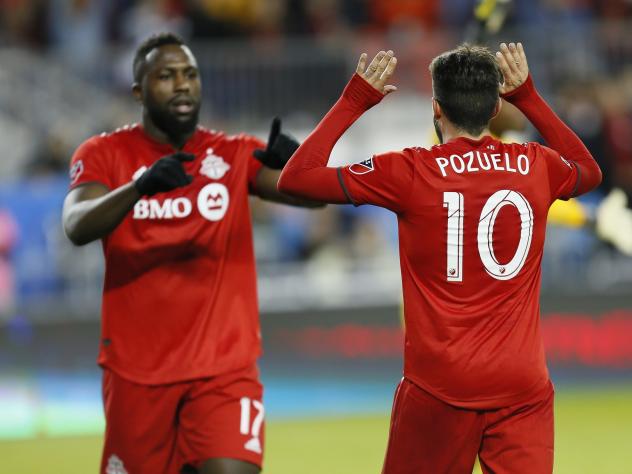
179	297
472	218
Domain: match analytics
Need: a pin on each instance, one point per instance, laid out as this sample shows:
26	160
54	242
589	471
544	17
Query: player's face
171	89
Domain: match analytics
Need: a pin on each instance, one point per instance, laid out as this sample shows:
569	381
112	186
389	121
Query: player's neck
451	132
160	136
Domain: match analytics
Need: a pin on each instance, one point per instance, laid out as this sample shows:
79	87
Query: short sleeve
248	145
384	180
90	164
563	174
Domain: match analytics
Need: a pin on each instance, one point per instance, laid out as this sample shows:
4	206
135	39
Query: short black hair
466	82
151	43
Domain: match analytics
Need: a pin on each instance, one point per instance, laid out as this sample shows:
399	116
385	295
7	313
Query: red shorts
154	429
428	435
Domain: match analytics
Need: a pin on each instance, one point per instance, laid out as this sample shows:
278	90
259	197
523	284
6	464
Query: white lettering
523	164
160	211
168	209
181	207
488	165
457	170
496	162
442	162
141	209
470	156
507	164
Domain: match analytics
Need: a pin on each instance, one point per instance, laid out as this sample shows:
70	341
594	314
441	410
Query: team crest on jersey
213	166
363	167
76	171
115	466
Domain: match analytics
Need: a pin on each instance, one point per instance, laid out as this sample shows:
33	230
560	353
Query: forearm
91	219
266	189
556	134
306	174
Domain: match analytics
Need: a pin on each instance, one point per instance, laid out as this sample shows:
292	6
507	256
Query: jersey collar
471	142
166	148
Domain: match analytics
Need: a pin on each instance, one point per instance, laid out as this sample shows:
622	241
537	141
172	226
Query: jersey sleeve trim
577	181
344	187
84	183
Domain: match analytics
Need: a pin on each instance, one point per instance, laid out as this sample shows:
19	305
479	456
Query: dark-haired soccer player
180	326
472	215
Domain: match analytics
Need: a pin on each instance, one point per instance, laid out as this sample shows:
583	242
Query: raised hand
513	64
379	71
165	174
280	148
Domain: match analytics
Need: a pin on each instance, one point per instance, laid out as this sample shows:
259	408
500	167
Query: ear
437	113
499	105
137	92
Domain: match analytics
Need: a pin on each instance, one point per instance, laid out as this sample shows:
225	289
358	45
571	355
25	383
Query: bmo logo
212	203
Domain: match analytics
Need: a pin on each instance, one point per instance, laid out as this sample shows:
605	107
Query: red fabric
306	174
141	433
428	435
180	298
472	218
558	136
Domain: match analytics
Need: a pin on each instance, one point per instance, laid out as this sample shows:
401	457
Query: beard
172	125
438	130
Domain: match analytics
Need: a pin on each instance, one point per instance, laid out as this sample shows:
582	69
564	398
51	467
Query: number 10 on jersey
454	202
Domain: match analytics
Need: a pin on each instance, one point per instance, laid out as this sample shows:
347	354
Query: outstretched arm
306	175
519	89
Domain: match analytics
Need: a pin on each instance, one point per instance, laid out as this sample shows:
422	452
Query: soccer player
472	216
180	325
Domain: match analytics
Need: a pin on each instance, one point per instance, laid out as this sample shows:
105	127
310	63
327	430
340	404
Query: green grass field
593	435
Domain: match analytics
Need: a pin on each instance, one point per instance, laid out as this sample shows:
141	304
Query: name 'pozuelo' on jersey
180	299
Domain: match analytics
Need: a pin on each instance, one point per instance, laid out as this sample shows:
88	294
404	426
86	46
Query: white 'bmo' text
472	162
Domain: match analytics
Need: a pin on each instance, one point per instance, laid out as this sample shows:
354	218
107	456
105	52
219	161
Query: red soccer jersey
472	217
179	297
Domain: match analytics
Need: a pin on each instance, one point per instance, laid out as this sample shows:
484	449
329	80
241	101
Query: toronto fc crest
213	166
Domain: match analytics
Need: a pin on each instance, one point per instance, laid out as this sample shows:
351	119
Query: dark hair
147	46
466	83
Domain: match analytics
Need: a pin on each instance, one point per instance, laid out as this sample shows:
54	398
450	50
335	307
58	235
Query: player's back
471	243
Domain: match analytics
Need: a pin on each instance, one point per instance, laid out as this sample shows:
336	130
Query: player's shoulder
216	137
211	134
123	134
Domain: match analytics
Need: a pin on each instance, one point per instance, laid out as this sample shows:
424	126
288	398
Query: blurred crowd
581	52
81	25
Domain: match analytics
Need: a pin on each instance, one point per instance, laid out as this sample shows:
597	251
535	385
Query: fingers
385	61
181	156
374	64
511	62
389	69
361	63
275	129
389	88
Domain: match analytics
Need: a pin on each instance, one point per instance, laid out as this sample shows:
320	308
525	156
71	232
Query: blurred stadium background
328	280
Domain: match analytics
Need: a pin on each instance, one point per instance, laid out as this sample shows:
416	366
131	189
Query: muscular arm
92	211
